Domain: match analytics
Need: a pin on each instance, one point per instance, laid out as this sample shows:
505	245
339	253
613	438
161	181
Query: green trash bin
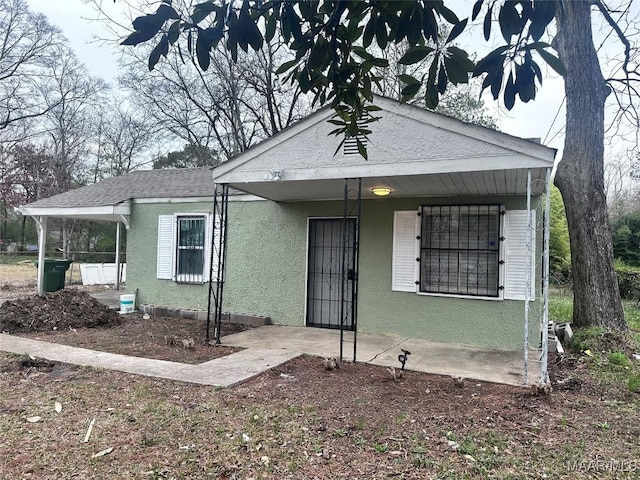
54	273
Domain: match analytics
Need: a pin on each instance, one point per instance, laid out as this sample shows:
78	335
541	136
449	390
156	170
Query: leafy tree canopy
332	44
626	238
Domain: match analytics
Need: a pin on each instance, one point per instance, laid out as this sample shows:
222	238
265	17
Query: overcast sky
543	118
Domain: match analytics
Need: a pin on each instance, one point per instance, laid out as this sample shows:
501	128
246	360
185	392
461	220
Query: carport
55	207
111	200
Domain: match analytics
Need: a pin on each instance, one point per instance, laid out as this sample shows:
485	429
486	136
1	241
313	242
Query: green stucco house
438	235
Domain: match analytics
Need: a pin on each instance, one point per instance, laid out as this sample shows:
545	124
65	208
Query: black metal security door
324	282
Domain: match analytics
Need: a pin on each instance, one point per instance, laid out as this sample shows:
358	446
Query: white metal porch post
41	222
544	374
118	255
527	293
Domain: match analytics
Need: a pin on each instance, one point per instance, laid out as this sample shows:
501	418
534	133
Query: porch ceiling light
381	191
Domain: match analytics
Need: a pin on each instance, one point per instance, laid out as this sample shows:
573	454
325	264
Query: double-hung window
184	247
460	250
190	249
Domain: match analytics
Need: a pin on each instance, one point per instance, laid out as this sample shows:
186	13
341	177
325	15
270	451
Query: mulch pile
59	310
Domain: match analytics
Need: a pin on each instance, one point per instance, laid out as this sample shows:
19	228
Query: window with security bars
190	246
460	250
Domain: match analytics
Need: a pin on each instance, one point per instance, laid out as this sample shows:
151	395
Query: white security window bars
190	246
460	250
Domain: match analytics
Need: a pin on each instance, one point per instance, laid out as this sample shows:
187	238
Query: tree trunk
580	175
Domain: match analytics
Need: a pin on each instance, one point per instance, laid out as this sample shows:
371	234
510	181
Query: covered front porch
419	165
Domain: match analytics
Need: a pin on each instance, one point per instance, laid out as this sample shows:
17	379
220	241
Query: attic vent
350	146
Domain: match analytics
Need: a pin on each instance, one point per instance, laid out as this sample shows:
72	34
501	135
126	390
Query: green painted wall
266	262
142	241
493	323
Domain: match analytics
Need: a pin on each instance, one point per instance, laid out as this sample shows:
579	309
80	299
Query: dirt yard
72	317
301	421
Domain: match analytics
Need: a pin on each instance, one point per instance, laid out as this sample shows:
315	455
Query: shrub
561	308
559	253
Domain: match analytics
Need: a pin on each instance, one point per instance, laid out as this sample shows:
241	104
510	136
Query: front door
325	277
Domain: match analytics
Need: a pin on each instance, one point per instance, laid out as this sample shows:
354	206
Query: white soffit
502	182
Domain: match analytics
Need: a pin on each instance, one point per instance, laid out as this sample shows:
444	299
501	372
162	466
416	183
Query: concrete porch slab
473	362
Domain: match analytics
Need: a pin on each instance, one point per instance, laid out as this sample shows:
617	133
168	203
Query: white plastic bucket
127	303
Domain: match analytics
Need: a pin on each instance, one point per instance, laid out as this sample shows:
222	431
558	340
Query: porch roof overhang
412	151
295	185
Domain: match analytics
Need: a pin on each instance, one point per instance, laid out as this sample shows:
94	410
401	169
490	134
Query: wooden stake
89	430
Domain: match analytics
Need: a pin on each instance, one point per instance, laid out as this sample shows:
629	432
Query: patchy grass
619	358
632	314
561	309
300	421
17	275
609	359
17	272
8	258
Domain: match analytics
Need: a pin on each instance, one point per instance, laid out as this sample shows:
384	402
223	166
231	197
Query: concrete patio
272	345
473	362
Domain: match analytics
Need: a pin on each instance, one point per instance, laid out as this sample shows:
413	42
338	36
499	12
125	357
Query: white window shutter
404	268
166	247
515	282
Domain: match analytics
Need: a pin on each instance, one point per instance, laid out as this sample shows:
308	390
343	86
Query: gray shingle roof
170	183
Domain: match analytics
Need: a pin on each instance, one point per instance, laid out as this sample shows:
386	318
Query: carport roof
110	199
183	182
